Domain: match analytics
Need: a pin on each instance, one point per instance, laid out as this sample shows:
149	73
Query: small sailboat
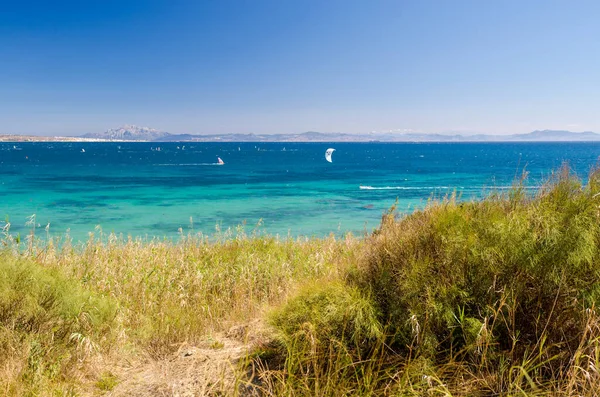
219	161
82	150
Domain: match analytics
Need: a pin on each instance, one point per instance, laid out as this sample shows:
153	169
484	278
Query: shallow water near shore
163	189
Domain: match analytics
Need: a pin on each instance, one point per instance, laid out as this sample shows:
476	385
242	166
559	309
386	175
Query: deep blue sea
287	188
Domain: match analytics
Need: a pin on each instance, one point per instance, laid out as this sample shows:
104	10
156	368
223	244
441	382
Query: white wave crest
185	165
363	187
408	187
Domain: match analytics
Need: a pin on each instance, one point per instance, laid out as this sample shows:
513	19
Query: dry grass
166	294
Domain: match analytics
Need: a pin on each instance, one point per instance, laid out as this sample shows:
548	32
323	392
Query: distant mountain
133	133
554	135
129	133
535	136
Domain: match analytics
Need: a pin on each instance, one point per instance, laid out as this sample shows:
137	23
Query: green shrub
513	268
324	313
49	325
327	332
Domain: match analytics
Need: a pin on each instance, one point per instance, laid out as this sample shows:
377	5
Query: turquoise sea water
135	189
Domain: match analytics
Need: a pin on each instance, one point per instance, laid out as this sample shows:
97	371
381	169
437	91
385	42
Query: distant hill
535	136
134	133
554	135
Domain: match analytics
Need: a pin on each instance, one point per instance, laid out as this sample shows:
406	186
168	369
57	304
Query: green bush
508	272
324	313
49	324
325	333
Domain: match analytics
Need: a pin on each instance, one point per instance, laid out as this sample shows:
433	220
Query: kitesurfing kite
328	154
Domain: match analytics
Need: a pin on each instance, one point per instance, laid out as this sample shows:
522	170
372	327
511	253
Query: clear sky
285	66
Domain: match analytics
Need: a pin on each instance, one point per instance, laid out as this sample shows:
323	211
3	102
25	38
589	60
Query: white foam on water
363	187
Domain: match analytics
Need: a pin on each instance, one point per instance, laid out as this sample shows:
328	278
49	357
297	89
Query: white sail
328	154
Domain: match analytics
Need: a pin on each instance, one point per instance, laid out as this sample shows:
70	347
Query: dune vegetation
491	297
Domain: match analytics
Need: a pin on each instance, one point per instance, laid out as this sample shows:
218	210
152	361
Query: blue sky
73	67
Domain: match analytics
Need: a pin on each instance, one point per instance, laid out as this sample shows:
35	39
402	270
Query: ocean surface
288	189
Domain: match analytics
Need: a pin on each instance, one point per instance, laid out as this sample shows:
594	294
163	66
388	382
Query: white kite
328	154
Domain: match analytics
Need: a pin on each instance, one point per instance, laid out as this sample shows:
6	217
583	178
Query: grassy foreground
495	297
